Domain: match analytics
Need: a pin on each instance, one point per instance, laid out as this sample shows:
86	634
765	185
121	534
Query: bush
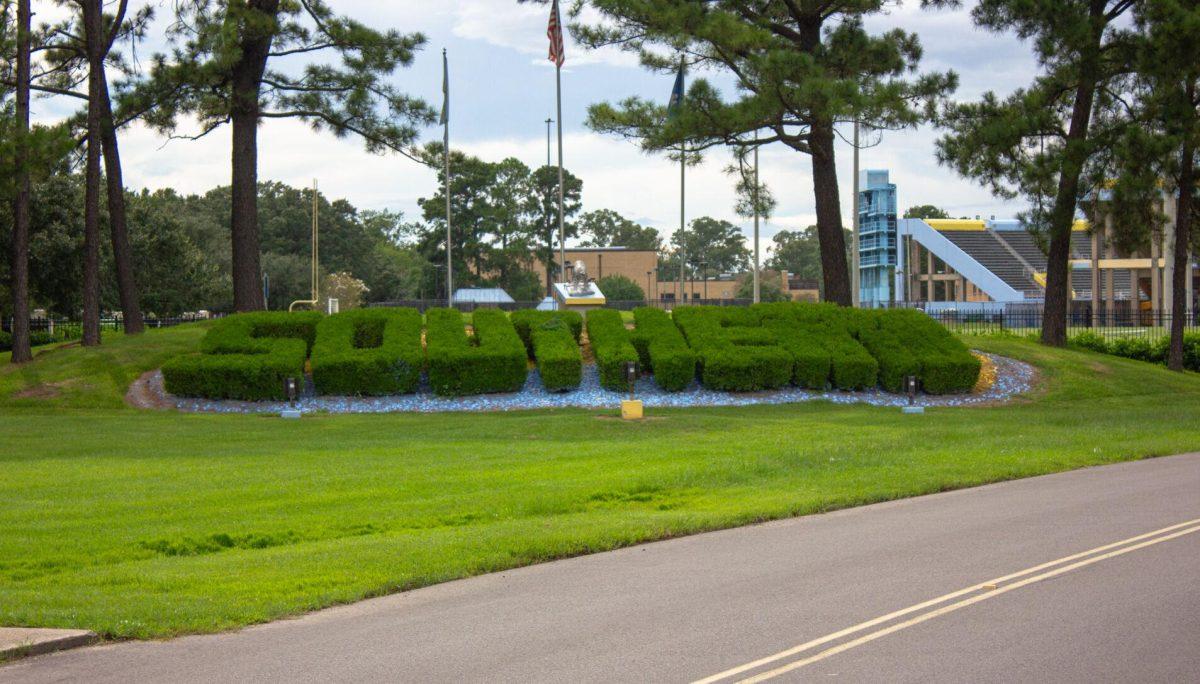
1136	348
36	339
611	347
493	360
908	342
662	349
245	356
559	360
525	319
823	351
368	352
735	353
618	288
1140	349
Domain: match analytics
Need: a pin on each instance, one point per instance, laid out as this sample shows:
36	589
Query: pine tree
1038	141
1157	151
801	68
220	71
21	350
78	51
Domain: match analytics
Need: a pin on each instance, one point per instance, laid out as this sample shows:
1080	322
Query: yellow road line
956	606
989	585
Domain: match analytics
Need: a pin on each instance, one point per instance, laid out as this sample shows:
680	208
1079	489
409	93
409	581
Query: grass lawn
144	524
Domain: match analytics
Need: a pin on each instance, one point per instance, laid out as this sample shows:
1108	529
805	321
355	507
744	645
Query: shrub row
36	339
824	353
1141	349
245	356
524	321
734	351
662	349
611	347
908	342
368	352
493	360
556	350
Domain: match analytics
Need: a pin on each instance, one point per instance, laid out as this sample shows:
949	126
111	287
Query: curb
19	642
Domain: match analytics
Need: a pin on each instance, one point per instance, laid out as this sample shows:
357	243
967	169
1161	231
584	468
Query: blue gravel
1012	378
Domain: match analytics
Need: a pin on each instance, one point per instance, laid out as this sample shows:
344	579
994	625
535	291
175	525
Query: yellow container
631	409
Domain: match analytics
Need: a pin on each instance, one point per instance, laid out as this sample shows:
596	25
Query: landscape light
291	389
631	374
910	387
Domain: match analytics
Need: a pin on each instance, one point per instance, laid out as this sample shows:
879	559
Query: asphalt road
1092	575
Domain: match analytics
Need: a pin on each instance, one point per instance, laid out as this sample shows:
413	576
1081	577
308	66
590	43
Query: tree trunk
21	351
131	309
1062	217
244	115
93	23
830	237
1183	266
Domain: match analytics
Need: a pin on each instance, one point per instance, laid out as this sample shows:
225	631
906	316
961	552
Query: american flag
554	32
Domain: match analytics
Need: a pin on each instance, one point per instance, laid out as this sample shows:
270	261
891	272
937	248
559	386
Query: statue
579	285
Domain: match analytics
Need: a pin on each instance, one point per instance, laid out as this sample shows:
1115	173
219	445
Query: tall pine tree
1156	154
1038	141
801	69
222	69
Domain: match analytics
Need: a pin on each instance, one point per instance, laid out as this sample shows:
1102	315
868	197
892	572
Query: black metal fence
1122	322
968	318
68	329
423	305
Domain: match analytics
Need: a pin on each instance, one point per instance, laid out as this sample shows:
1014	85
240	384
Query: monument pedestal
572	297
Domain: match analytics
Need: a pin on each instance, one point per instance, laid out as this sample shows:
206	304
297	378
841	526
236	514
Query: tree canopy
226	66
1036	142
800	69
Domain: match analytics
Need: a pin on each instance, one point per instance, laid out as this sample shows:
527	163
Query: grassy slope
151	524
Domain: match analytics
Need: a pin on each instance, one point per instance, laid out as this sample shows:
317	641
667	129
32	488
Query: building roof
482	295
604	249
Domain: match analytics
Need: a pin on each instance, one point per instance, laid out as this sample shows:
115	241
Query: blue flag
676	101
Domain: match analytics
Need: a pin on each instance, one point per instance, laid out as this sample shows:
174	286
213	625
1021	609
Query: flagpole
562	235
446	170
682	248
549	222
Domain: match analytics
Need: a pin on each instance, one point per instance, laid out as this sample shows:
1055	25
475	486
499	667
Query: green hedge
823	351
908	342
36	339
245	356
735	353
1141	349
556	350
368	352
611	347
524	321
493	360
662	349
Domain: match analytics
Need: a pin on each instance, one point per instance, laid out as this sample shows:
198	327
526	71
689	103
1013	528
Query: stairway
985	248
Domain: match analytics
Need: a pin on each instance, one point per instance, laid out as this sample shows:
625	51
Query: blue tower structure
876	238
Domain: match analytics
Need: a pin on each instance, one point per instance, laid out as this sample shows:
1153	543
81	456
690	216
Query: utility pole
756	267
854	265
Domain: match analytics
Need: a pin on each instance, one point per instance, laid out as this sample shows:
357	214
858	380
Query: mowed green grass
147	524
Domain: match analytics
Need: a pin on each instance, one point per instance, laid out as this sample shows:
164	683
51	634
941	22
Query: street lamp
648	286
704	275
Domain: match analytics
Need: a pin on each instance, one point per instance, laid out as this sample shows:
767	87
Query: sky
502	91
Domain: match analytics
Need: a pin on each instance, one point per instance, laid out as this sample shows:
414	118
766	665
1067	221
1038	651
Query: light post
648	286
704	276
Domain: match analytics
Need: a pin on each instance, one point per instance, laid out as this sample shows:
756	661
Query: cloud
522	28
496	121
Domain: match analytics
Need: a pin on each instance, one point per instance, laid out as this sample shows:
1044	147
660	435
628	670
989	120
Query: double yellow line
974	593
